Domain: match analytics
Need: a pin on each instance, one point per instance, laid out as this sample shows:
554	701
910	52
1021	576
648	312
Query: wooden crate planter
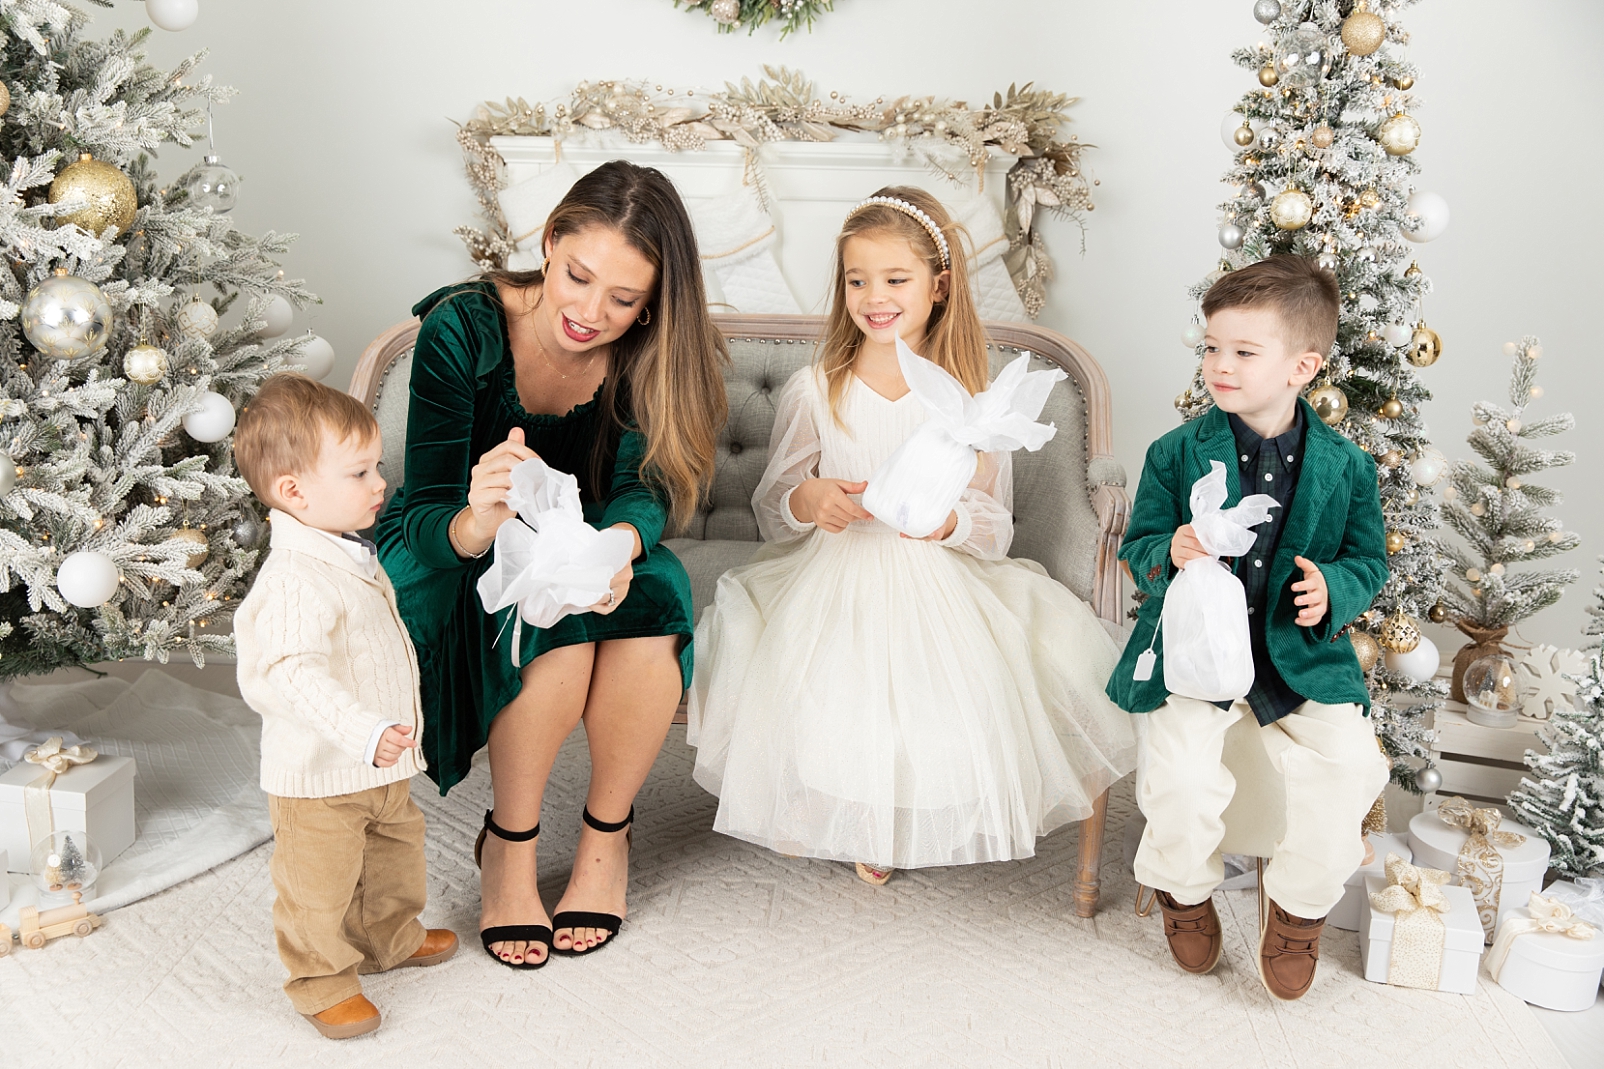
1480	763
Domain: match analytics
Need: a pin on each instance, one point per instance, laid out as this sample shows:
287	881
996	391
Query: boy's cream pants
349	873
1331	768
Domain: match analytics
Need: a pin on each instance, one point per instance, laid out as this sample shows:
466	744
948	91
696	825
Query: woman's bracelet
456	543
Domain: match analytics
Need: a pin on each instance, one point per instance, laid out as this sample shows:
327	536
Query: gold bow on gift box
1414	897
1546	915
1480	865
53	759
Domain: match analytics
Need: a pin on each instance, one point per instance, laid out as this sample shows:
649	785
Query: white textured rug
196	799
735	956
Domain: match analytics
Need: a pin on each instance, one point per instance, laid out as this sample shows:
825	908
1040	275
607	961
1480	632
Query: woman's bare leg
635	687
524	739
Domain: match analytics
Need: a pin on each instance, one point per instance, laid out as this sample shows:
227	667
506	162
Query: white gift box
1552	970
1347	913
97	798
5	884
1436	845
1462	939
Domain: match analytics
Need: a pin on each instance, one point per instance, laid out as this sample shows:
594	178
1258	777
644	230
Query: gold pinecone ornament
107	192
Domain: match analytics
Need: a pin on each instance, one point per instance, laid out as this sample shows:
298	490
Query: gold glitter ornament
727	12
1363	31
5	99
1391	408
1369	198
1399	634
1366	648
1399	135
197	556
1330	404
145	364
107	192
1425	346
1395	542
1438	613
1391	459
1322	136
1267	75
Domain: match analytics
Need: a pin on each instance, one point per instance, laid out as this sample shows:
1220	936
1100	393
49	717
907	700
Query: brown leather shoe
1289	949
354	1017
1193	932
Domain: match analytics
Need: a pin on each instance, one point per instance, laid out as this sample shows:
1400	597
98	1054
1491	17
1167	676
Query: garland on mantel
731	15
1026	122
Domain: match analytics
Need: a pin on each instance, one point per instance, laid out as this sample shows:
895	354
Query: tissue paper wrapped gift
920	484
549	562
1417	931
1502	865
1207	654
1547	955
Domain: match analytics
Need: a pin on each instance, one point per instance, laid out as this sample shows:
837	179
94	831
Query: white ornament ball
1232	236
145	364
197	319
1291	209
173	15
1231	124
316	358
8	473
278	317
1192	336
1428	467
1432	212
87	579
1419	664
213	421
1397	335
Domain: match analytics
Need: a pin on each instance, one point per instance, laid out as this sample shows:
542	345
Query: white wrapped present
1502	865
53	789
1547	955
1419	931
1346	914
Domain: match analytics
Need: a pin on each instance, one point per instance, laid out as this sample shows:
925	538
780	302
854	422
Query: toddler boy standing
1317	564
326	661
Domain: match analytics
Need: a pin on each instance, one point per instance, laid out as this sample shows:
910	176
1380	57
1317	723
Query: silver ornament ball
1428	778
145	364
1232	236
1267	11
247	531
66	318
8	473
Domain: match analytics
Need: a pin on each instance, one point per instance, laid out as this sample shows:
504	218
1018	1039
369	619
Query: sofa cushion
706	560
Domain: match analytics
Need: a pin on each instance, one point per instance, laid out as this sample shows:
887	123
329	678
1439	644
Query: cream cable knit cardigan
324	657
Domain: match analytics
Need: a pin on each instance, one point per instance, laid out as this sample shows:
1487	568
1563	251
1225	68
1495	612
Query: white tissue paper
549	562
1207	654
920	484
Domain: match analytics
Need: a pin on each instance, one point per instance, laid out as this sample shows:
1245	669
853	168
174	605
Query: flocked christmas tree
124	530
1324	169
1498	511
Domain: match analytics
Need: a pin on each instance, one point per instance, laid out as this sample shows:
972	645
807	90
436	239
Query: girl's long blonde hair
954	338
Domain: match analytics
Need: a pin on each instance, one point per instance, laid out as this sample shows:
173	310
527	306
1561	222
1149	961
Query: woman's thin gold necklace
547	358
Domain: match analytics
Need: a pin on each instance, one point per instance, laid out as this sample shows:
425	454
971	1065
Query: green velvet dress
464	400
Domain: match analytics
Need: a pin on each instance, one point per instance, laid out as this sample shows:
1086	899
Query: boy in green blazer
1316	565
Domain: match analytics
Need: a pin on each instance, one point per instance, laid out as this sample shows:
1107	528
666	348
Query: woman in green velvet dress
606	365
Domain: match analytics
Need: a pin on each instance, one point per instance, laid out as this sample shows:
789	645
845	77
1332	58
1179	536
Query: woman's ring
612	598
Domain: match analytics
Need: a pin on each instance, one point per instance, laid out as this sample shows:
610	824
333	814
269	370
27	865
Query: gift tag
1144	666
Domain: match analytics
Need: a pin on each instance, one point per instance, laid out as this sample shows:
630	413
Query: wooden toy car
36	928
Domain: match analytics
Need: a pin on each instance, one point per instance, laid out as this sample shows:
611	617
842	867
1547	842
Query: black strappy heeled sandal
511	933
580	918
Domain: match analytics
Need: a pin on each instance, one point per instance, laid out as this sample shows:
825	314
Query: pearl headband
917	216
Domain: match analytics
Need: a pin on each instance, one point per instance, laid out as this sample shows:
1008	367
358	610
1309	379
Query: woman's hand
825	502
487	492
618	589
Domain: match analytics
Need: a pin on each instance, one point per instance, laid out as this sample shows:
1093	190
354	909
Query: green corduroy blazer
1335	522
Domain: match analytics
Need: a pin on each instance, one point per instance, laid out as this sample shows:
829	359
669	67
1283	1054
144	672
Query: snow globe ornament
66	317
1491	692
1303	57
64	864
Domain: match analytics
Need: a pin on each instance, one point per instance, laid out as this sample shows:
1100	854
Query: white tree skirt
736	956
196	799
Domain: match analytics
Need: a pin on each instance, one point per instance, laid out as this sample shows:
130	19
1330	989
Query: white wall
342	132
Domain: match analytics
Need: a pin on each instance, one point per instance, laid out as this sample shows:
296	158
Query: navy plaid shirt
1266	466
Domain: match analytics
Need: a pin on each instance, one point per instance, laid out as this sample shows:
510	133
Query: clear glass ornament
64	864
1303	56
213	185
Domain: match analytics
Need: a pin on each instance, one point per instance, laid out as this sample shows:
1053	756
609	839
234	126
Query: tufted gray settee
1070	506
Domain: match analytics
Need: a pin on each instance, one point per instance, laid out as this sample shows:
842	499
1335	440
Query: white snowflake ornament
1547	678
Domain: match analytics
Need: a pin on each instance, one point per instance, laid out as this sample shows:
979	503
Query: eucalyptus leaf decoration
949	136
792	15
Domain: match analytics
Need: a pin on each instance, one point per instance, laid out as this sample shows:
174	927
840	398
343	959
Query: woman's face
596	286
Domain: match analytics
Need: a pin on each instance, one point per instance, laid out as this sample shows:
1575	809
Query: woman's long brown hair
954	338
666	378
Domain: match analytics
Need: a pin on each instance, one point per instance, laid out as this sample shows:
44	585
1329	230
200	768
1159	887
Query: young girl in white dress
867	697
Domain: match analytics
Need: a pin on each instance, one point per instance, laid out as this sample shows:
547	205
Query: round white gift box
1436	846
1552	970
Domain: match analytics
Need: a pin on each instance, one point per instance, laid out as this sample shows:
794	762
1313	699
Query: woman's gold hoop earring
645	317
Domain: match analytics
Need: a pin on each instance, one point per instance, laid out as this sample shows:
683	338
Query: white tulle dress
866	697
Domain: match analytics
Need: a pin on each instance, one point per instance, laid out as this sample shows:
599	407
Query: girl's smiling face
890	290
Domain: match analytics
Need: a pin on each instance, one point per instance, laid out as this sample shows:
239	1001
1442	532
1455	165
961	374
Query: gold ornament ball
1425	346
1404	81
1366	648
1322	136
1392	408
1291	209
5	99
1244	134
1399	634
1267	75
66	318
1413	271
1369	198
145	364
1395	542
1391	459
107	193
197	319
1399	135
1438	613
1363	31
197	556
1330	404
